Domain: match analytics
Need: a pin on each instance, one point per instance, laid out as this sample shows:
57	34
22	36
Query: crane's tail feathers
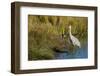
79	46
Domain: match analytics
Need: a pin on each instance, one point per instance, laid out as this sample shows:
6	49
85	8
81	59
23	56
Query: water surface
79	53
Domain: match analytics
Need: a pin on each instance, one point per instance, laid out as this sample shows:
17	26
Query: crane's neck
70	32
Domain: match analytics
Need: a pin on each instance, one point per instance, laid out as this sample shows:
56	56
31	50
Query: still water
79	53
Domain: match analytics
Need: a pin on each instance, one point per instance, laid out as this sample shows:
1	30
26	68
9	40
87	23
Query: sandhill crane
73	39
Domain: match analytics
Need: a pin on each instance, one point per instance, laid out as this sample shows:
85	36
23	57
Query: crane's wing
75	41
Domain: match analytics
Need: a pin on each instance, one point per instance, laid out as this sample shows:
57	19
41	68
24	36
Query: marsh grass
45	33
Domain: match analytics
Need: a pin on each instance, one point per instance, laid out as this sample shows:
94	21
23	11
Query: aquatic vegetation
46	33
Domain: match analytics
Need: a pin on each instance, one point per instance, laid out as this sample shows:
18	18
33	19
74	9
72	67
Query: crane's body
73	39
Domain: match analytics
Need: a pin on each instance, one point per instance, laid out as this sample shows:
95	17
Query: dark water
79	53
